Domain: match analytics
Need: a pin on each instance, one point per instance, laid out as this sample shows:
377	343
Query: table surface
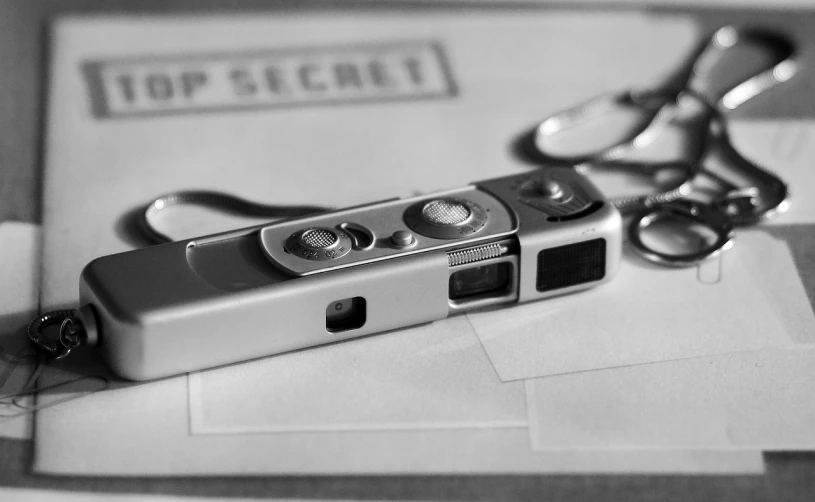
23	77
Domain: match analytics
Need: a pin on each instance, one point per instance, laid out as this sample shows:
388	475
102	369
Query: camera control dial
445	212
318	243
448	218
559	199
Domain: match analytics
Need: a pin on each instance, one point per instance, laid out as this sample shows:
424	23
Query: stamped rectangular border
100	101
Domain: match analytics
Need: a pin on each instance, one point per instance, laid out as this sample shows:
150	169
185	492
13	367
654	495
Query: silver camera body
339	275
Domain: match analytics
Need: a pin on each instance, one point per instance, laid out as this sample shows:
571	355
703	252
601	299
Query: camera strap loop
71	333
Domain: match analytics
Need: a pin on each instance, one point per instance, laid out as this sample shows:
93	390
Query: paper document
169	448
181	119
777	275
648	313
431	377
787	149
750	400
338	154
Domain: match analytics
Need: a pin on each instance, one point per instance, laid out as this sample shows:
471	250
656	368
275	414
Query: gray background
23	81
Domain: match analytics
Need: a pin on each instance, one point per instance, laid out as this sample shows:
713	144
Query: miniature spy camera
334	276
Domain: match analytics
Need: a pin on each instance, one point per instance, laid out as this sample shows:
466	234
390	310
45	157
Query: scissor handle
652	102
694	213
745	206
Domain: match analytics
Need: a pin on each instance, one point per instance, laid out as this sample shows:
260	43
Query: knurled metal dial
448	218
318	243
558	199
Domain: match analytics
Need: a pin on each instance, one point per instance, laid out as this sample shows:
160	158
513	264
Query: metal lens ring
445	212
446	218
319	243
687	211
319	238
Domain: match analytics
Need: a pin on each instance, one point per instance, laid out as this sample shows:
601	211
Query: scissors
700	196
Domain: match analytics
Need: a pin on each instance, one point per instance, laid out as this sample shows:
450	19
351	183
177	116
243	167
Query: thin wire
217	200
31	386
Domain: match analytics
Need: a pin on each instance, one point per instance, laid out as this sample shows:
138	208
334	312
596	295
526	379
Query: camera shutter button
402	239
